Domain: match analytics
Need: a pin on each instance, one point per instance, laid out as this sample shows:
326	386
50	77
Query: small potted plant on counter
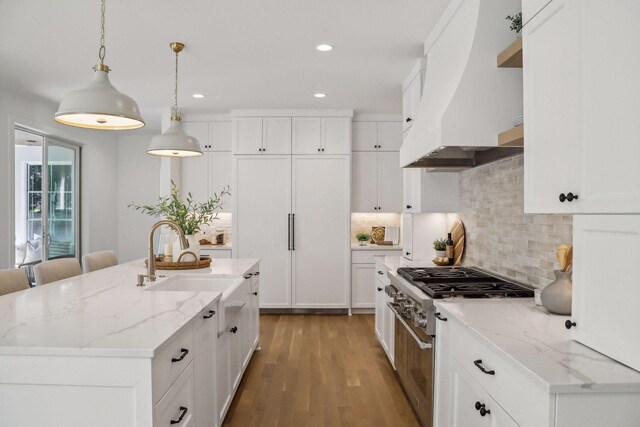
188	214
440	245
362	238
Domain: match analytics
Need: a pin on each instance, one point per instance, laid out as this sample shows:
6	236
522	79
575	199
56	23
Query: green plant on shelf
440	244
188	214
362	237
516	22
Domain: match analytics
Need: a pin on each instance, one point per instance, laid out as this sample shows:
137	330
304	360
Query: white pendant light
175	142
99	105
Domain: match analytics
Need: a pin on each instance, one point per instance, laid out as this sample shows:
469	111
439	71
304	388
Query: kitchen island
98	350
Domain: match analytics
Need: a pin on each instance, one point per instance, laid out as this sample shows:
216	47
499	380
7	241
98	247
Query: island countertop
104	313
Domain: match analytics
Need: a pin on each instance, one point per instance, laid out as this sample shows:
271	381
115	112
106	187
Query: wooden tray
189	265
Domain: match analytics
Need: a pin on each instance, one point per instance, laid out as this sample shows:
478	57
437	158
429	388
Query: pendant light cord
175	108
103	50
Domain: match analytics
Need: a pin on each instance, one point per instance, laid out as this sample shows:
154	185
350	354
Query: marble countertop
542	347
374	247
395	262
104	313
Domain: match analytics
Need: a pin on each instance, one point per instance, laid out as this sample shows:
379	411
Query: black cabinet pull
288	232
257	273
379	289
484	411
439	317
478	364
293	232
409	206
233	330
380	272
255	293
210	315
479	405
184	351
562	197
407	253
248	275
408	119
569	324
571	197
183	412
318	150
323	150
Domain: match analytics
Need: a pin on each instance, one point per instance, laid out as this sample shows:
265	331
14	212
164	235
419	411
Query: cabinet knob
318	150
323	149
484	411
233	330
380	272
255	293
408	119
571	197
409	206
257	273
479	405
379	289
407	253
569	324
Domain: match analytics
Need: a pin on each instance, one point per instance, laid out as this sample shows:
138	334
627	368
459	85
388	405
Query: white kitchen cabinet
198	130
205	365
377	136
581	127
604	305
319	235
466	395
376	179
207	175
418	233
298	224
255	310
223	377
411	99
384	317
425	192
262	135
407	236
261	227
316	135
220	136
363	294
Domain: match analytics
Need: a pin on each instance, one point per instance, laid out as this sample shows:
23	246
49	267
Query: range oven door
414	362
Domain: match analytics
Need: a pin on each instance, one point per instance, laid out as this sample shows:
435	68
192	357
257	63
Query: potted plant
362	238
516	23
440	245
187	213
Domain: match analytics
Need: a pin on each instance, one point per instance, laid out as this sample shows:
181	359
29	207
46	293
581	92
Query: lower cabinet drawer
177	406
526	402
171	360
471	405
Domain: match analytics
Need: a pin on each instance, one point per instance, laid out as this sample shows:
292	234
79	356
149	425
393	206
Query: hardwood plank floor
319	370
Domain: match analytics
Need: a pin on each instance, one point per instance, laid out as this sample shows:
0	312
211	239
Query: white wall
99	171
139	181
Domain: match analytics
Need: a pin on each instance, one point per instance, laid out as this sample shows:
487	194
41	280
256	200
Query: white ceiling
239	53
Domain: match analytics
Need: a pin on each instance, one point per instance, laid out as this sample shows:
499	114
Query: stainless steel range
413	291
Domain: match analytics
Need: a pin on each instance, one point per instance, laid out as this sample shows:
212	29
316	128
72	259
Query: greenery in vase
516	22
188	214
362	237
440	244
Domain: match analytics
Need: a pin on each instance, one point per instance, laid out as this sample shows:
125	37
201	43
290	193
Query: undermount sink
231	299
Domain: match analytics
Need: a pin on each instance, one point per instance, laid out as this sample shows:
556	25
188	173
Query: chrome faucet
151	263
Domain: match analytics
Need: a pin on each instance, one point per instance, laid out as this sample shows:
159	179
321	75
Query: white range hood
467	100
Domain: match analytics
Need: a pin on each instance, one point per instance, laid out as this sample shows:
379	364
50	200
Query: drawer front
381	274
171	360
525	401
368	257
177	406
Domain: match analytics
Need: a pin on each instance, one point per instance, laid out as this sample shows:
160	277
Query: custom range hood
467	100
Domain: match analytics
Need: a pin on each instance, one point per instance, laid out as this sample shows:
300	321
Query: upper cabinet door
307	135
389	182
551	75
336	135
389	136
365	136
220	136
276	135
247	135
220	177
198	130
581	113
364	182
410	101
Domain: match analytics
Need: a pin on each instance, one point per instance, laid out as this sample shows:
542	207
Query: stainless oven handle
423	345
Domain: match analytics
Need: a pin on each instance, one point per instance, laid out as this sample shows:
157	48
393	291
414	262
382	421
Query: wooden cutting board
457	235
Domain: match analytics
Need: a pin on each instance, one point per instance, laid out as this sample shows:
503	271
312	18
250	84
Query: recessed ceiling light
324	47
320	95
198	95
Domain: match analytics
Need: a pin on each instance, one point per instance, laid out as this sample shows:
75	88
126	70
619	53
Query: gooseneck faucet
151	263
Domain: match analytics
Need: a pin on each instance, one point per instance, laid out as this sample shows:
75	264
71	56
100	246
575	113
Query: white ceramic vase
194	246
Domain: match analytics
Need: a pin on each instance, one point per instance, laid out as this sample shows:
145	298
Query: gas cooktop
446	282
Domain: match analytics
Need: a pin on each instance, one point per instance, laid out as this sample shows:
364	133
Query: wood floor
319	370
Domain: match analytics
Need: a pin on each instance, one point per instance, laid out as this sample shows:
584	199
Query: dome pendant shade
174	143
99	106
